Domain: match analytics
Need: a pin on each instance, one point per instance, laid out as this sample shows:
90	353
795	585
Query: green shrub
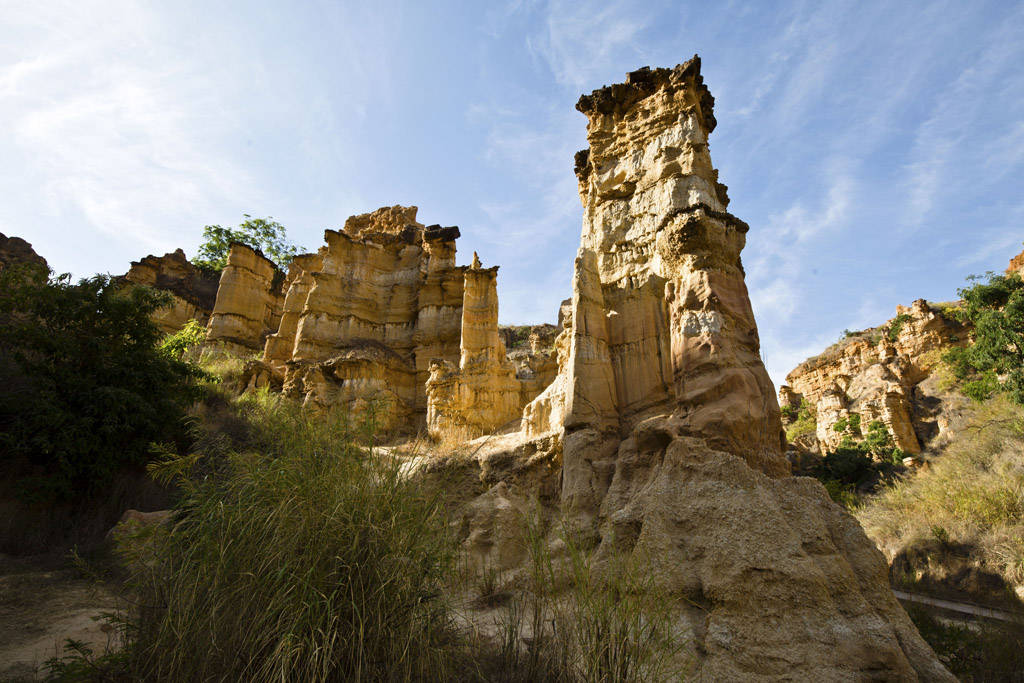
981	651
994	361
85	388
308	557
897	323
805	423
178	344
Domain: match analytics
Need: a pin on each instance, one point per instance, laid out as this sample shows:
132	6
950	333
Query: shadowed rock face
194	290
661	435
14	250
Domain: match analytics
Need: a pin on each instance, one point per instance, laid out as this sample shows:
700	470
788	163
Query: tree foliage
85	387
995	359
264	234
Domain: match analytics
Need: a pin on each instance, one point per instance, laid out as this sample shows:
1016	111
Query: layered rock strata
249	301
194	291
879	375
481	394
383	299
299	282
660	437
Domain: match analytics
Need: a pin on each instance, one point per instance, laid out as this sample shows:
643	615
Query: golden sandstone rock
249	300
482	394
368	314
194	291
660	436
880	378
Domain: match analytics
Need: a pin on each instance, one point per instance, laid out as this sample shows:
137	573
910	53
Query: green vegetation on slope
994	361
297	555
85	388
969	503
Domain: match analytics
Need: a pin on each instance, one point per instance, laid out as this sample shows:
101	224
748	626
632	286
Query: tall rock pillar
662	322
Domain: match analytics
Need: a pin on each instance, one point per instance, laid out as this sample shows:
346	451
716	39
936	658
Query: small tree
85	388
264	234
995	359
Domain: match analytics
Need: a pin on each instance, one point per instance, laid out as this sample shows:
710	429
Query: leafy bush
893	333
994	361
179	343
805	423
85	387
308	557
264	234
981	651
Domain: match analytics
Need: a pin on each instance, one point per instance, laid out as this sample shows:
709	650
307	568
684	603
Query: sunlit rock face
194	291
368	313
249	300
879	375
662	321
660	436
481	394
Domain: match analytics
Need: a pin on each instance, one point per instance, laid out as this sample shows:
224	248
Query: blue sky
875	148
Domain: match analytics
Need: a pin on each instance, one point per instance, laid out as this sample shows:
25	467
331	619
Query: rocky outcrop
1016	265
660	437
382	300
297	285
481	394
878	375
249	301
194	291
16	251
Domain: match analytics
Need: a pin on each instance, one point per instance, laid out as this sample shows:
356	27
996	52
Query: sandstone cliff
363	318
661	436
879	374
249	301
194	290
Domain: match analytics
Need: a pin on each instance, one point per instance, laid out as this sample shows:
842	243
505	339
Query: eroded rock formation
481	394
879	374
661	435
249	301
194	291
379	302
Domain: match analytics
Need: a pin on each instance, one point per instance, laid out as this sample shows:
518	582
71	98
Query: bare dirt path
43	601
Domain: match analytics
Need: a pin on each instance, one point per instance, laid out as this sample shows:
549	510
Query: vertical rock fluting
482	394
280	345
661	434
248	304
384	299
194	291
662	319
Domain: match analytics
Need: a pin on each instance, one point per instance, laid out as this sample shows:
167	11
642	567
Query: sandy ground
43	601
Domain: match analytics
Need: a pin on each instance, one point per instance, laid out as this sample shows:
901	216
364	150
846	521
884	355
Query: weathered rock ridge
661	436
194	291
879	374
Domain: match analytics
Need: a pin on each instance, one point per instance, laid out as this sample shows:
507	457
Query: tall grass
303	557
971	496
584	620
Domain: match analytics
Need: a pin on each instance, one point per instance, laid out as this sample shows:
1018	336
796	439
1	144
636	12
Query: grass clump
582	619
973	492
302	557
